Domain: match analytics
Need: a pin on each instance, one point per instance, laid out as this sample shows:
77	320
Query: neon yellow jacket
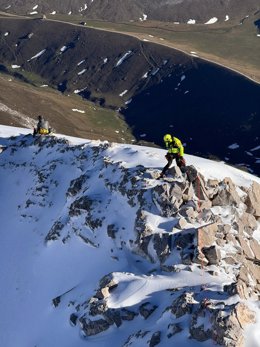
175	147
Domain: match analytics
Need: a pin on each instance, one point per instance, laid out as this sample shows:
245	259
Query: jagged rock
147	309
227	194
113	316
168	198
188	193
183	239
169	268
112	230
200	329
245	246
255	247
97	307
81	204
249	222
173	329
73	319
228	330
106	285
155	339
127	314
76	185
253	269
134	338
175	171
230	260
253	200
189	212
56	301
192	173
54	233
213	183
200	189
212	254
162	245
186	258
144	235
93	223
182	305
95	327
224	228
199	258
181	224
206	236
239	288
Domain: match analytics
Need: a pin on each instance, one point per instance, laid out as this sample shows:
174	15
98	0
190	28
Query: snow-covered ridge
97	242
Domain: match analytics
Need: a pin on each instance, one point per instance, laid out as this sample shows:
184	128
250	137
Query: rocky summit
95	251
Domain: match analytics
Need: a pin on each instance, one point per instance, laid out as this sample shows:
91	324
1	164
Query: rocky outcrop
194	235
252	200
228	330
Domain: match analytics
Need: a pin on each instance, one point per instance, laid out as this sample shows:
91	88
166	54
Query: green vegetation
230	44
68	114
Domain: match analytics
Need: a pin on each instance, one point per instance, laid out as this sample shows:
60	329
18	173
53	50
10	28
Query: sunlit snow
120	61
212	20
77	110
37	55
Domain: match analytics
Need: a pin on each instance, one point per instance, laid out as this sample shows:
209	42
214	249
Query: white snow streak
120	61
37	55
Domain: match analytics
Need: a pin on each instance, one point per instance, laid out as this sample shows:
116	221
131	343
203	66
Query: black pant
170	157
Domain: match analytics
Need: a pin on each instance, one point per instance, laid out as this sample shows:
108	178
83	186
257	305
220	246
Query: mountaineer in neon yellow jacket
175	151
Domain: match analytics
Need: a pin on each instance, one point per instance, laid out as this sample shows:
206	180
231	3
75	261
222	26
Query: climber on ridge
175	151
42	127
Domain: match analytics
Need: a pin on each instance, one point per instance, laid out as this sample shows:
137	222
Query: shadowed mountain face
138	10
158	89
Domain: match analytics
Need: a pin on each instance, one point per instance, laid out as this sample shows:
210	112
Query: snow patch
191	21
233	146
121	60
82	72
37	55
212	20
81	62
123	93
77	110
63	49
143	18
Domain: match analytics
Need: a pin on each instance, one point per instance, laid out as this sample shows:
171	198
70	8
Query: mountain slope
147	81
124	10
96	251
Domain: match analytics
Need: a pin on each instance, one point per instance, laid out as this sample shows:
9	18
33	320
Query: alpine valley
95	249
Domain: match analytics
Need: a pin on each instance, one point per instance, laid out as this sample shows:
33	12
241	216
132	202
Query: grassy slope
230	44
96	123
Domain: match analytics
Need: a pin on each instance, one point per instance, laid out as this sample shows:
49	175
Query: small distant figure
42	127
175	151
